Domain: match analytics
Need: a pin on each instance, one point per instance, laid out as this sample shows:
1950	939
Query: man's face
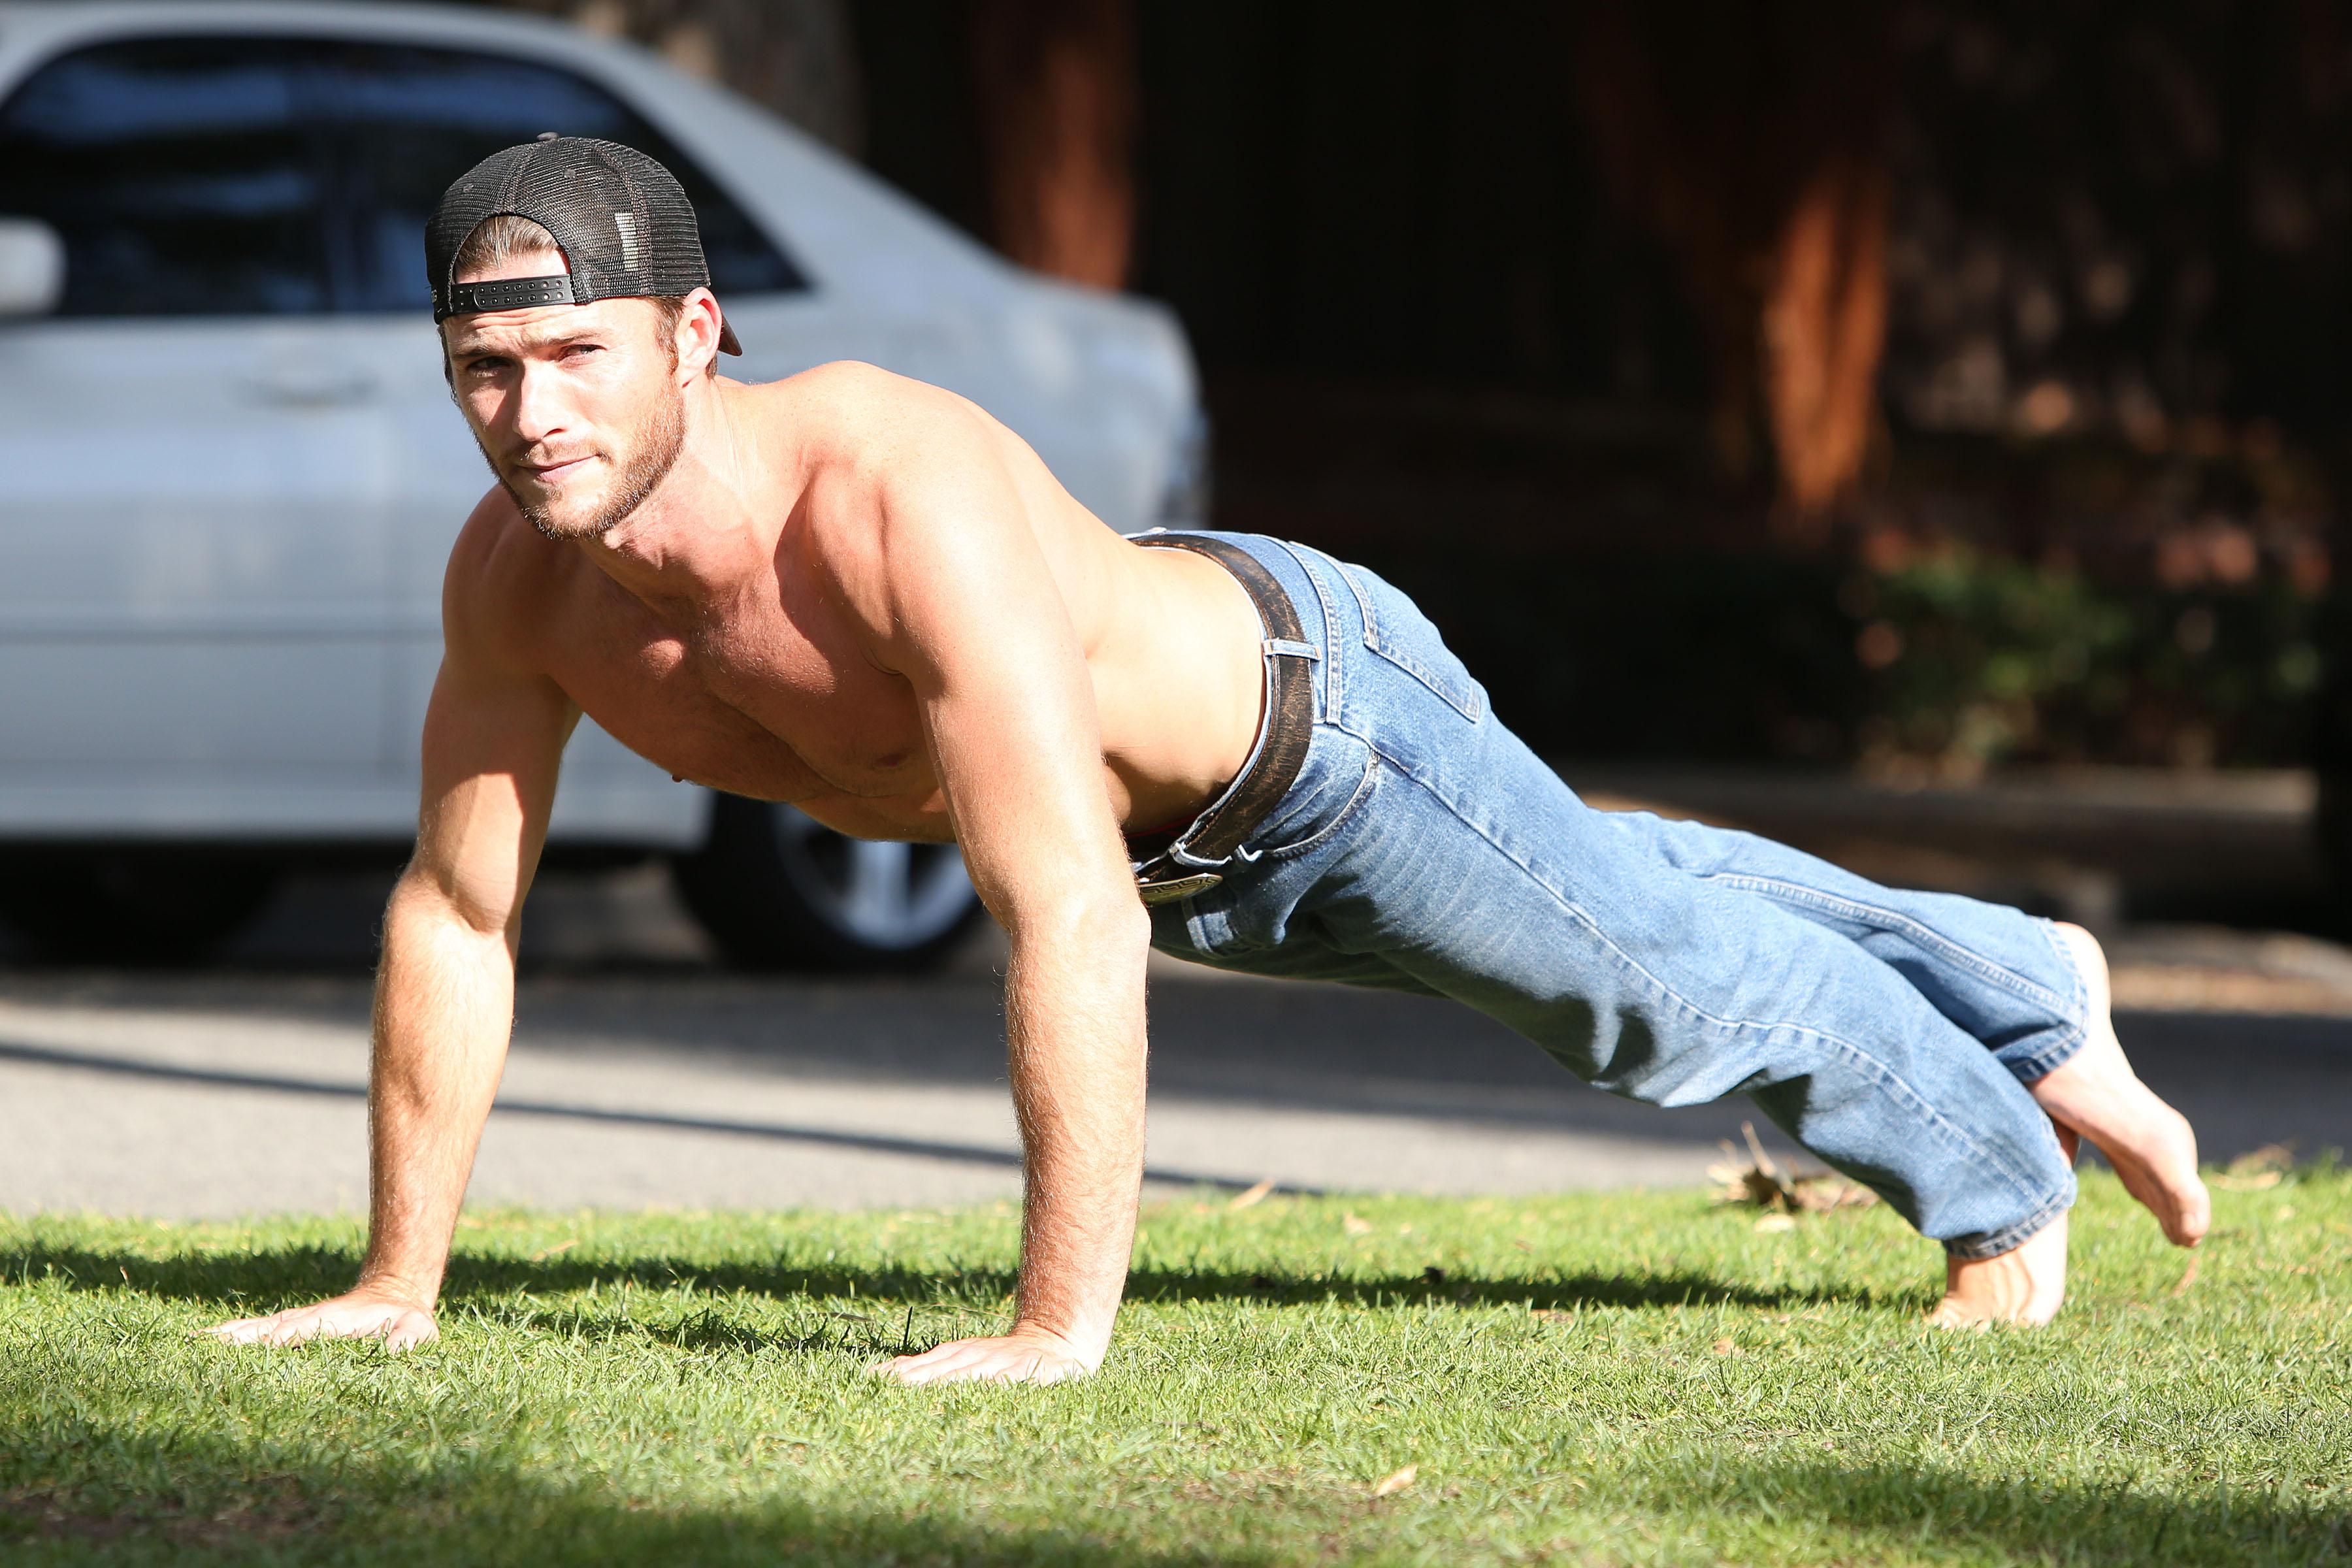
577	408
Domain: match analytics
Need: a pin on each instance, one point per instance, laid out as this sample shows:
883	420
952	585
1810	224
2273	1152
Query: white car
230	471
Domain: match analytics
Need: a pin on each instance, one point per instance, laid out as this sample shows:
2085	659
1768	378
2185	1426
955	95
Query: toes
2195	1217
1953	1313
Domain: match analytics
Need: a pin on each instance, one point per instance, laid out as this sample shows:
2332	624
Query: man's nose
538	412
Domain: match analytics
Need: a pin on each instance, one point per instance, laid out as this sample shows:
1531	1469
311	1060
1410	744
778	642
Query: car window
179	175
415	119
233	175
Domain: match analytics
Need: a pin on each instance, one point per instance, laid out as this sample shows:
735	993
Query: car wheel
776	890
131	907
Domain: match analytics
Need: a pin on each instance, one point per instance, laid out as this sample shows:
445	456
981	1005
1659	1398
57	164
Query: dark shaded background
1480	295
2098	512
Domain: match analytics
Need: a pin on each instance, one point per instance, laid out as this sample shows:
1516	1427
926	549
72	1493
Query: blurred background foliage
1926	385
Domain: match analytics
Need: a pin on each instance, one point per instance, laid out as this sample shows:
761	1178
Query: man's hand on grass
368	1312
1024	1355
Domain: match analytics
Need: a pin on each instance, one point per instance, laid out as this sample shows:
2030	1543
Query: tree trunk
1753	136
1055	83
1825	327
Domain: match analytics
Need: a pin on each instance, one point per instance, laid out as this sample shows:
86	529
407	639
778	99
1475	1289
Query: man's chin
563	526
556	517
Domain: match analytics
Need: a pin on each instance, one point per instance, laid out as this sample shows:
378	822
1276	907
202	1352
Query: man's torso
762	688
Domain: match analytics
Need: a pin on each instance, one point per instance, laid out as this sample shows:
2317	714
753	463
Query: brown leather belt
1216	833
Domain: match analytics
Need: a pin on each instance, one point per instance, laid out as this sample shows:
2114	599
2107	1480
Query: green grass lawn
1634	1378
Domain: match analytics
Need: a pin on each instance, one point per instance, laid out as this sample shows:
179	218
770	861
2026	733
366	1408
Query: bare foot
2097	1093
2024	1285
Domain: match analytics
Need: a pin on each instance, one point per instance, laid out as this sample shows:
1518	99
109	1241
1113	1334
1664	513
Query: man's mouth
553	473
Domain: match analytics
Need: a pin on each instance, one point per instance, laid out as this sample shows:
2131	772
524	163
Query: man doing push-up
863	595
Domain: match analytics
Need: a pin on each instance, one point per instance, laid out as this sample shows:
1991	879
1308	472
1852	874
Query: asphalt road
643	1076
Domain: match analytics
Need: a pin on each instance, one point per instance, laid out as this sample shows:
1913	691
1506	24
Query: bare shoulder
860	417
500	578
854	389
901	480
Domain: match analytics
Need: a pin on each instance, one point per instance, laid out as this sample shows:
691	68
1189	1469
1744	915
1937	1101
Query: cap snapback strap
510	294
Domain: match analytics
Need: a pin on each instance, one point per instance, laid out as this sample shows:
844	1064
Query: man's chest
763	698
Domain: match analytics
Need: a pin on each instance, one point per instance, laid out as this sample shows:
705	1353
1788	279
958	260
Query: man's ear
697	335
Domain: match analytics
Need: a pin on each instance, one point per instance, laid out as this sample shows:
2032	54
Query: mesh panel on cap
621	221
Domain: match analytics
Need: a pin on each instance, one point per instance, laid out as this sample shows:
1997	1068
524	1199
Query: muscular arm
958	598
445	992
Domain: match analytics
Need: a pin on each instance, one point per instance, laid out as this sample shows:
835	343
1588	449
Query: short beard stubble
660	441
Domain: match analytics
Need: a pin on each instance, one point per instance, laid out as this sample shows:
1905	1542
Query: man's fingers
268	1330
292	1329
975	1360
399	1328
242	1332
928	1366
413	1329
967	1369
932	1365
954	1350
1006	1367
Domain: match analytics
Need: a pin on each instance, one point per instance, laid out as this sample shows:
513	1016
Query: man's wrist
1088	1349
399	1287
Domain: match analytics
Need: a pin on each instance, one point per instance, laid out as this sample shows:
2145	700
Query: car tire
776	890
131	907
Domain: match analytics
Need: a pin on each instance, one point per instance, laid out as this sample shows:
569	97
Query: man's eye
573	351
485	366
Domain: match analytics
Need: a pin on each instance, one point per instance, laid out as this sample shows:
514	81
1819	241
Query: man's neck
712	520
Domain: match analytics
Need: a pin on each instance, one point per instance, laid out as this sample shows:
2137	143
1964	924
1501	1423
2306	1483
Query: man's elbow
1111	922
434	897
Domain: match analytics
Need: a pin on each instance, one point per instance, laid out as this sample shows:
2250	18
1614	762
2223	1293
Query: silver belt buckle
1175	888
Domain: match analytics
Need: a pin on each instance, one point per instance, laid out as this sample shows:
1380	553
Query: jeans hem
2009	1238
2036	1065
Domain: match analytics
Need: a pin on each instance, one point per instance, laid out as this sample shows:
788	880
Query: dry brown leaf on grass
543	1253
1355	1227
2257	1169
1761	1183
1745	1184
1726	1346
1554	1315
1822	1192
2187	1277
1254	1196
1395	1481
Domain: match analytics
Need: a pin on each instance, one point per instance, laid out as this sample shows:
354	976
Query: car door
194	470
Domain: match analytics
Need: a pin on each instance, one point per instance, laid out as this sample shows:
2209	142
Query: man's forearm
443	1009
1074	1007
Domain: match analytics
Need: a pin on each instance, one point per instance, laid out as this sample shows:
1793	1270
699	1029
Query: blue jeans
1424	849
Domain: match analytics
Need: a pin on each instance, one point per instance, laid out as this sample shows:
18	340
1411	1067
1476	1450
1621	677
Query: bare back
759	682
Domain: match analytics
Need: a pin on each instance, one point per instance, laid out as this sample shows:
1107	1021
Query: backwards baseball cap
623	223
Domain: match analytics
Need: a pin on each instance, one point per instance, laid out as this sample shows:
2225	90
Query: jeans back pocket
1396	630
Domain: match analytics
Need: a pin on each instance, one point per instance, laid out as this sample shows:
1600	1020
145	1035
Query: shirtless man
861	595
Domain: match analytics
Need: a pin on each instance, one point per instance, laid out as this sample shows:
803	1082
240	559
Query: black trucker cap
620	219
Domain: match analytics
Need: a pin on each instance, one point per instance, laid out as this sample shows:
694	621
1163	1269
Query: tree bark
1055	83
1824	328
1753	136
